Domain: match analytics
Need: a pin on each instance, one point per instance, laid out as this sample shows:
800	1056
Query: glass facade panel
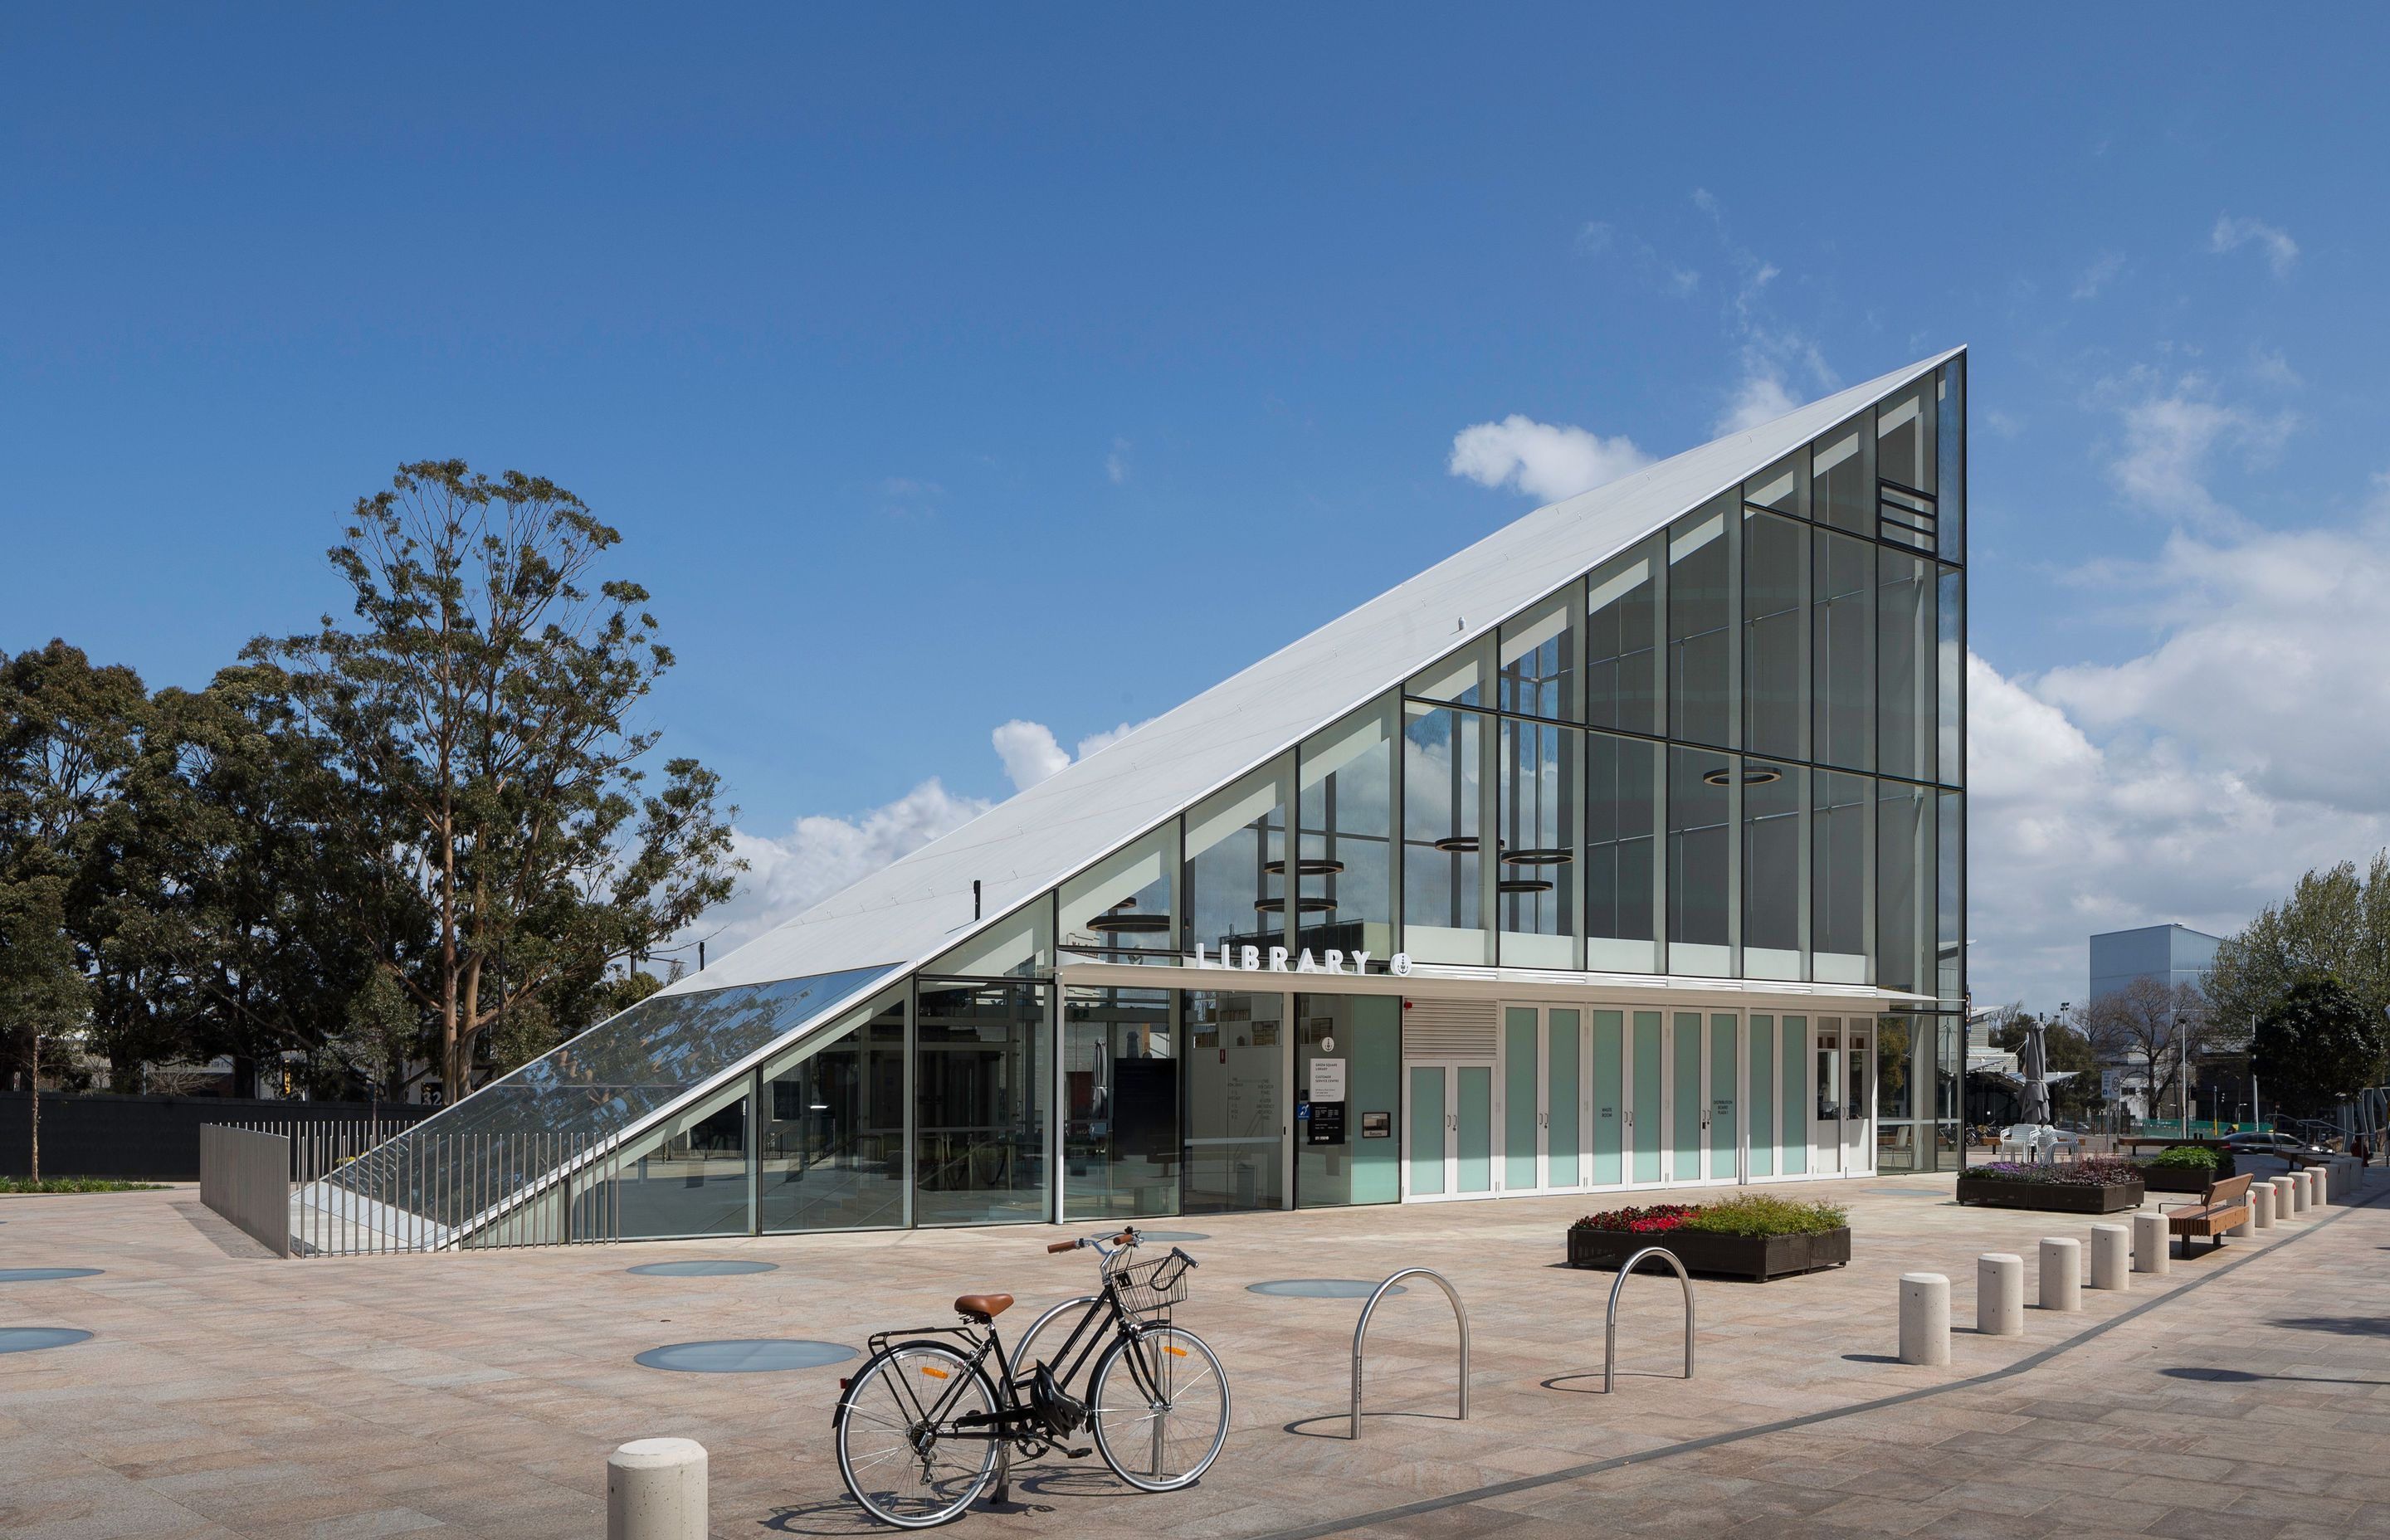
1775	636
1949	699
1538	661
1017	946
1896	1083
1120	1107
1842	616
1622	875
1950	945
1121	909
1701	862
1843	477
1701	624
832	1129
1443	824
1907	724
1624	683
1842	844
1537	866
1363	1032
691	1176
1464	679
1904	440
1775	870
1782	487
1236	865
1236	1111
981	1079
1346	895
1950	501
1906	839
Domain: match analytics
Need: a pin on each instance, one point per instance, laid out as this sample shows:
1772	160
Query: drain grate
1321	1289
703	1269
33	1338
43	1275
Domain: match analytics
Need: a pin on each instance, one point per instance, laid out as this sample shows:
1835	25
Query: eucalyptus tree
485	690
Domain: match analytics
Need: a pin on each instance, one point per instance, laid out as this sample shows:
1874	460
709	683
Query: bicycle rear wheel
1160	1406
891	1452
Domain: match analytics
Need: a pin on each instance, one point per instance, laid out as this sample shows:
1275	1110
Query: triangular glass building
1622	850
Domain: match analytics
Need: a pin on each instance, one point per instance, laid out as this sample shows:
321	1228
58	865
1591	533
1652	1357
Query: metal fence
352	1190
243	1176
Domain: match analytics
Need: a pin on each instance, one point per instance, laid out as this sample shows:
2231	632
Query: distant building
2170	954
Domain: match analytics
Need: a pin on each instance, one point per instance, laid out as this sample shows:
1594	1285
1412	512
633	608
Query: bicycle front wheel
1160	1406
895	1426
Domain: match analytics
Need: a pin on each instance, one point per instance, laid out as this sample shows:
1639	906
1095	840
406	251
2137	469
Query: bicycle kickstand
1002	1473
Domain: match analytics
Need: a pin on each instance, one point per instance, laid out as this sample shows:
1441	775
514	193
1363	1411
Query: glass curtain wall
832	1135
1702	866
1537	876
1445	872
1235	867
981	1089
1702	662
1775	870
1237	1105
1346	900
1623	873
1625	676
1119	1104
1353	1157
690	1176
1121	910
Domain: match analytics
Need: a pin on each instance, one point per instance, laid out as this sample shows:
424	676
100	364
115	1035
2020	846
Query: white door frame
1543	1086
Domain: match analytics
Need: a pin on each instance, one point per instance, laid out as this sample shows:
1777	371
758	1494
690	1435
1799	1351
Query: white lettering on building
1249	959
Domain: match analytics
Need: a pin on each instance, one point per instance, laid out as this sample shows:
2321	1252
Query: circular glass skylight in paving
1172	1235
33	1338
744	1356
703	1268
43	1275
1321	1289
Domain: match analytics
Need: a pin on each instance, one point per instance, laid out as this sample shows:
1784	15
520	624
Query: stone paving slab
228	1392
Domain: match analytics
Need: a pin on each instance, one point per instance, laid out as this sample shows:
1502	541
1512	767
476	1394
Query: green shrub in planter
2198	1155
1758	1213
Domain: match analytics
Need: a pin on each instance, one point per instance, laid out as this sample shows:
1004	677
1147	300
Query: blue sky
951	368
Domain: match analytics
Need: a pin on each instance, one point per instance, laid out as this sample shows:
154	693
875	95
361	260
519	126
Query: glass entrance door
1449	1131
1544	1099
1689	1120
1236	1064
1723	1106
1843	1136
1607	1104
1647	1117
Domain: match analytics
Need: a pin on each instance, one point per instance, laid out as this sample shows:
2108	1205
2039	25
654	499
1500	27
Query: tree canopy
2318	1045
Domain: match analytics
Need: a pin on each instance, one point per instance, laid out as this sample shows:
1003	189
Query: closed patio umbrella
2033	1068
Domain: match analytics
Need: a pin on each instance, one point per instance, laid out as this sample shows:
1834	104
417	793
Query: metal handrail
1361	1333
1610	1326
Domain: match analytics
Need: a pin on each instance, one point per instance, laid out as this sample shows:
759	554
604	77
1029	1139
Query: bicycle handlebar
1062	1246
1126	1238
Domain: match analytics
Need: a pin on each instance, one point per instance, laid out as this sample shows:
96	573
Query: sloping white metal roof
918	907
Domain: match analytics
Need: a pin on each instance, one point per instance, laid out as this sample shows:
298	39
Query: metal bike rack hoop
1361	1333
1609	1326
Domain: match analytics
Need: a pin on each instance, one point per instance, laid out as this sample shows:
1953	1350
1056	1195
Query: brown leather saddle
982	1308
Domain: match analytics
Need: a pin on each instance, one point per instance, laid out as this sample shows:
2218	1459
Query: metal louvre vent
1449	1028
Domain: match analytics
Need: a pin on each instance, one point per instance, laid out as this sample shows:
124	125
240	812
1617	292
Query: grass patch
2198	1157
14	1185
1758	1213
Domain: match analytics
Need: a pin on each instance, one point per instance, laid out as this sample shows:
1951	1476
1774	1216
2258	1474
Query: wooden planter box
2051	1196
1757	1257
2179	1179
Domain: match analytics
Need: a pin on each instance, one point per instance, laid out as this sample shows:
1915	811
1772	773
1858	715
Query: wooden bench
2221	1207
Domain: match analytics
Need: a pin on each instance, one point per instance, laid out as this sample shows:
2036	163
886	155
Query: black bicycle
927	1425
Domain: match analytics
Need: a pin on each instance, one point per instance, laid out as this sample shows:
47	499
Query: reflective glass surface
1906	842
1443	825
1775	870
1907	667
1120	1114
1346	900
588	1090
1236	865
1842	478
1537	873
1701	862
1624	676
1362	1035
1621	842
1775	636
1121	909
981	1079
1842	614
690	1178
1538	662
1237	1110
1701	624
832	1132
1842	842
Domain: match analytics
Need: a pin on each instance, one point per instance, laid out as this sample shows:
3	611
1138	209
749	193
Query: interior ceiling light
1309	866
1541	855
1765	775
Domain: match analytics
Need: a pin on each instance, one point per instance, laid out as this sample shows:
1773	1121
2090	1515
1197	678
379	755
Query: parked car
2271	1143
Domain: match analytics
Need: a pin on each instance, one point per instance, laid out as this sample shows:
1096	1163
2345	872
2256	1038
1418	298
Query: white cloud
2172	433
1594	235
822	853
1117	463
2097	275
1545	460
2232	233
1031	752
1761	397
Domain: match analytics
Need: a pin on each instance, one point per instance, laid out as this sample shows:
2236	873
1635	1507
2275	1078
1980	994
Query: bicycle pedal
1078	1454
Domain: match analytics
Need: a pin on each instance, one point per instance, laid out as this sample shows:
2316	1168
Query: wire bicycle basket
1150	1288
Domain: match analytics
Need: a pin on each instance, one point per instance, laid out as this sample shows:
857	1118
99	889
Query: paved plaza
223	1393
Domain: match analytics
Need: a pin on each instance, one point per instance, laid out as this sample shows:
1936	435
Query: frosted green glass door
1686	1123
1425	1155
1472	1104
1792	1124
1761	1104
1522	1098
1563	1097
1725	1053
1609	1098
1649	1118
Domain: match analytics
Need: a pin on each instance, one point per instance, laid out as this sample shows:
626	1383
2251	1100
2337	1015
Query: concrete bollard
2000	1295
2286	1197
2247	1227
655	1489
1924	1318
2319	1185
2302	1191
2261	1204
2150	1243
2061	1273
2112	1257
